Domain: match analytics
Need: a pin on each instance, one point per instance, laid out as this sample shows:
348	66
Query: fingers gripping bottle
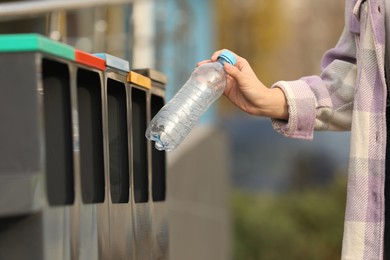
176	119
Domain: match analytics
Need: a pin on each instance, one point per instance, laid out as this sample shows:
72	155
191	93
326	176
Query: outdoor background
288	196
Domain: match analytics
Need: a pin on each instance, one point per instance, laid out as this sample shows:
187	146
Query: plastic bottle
177	118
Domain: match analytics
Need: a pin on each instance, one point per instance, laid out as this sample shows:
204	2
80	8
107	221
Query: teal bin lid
35	42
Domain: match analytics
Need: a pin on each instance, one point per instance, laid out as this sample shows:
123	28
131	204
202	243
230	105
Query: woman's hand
248	93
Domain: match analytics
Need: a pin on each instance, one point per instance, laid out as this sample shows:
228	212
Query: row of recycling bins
78	178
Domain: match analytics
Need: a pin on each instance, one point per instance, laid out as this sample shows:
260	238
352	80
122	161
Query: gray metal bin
37	151
158	170
88	75
78	178
141	203
118	242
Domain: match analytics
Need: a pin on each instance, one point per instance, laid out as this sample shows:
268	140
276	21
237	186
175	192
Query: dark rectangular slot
58	132
140	155
89	100
118	141
158	159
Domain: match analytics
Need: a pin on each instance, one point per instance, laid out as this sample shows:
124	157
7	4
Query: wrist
274	104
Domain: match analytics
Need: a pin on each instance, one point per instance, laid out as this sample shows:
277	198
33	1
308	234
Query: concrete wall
198	197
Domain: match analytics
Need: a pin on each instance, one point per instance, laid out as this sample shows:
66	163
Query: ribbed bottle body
179	116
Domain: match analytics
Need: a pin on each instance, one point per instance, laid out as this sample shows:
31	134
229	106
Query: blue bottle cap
228	56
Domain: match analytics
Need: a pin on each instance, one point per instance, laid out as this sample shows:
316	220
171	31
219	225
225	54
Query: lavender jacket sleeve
322	102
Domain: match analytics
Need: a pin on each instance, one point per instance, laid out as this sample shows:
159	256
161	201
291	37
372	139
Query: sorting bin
78	178
158	168
140	98
116	119
37	155
88	74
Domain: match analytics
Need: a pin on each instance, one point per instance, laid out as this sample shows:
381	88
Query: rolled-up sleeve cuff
301	107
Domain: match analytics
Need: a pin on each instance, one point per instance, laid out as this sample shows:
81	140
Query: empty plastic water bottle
175	120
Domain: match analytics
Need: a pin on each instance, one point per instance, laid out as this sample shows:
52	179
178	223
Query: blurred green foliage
305	225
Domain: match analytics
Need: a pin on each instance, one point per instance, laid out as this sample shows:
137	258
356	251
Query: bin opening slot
140	157
58	132
158	158
118	141
89	101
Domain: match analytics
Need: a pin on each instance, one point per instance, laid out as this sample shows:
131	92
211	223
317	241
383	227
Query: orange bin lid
90	60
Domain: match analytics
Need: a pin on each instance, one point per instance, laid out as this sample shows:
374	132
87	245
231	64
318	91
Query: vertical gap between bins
140	158
158	158
91	136
58	132
118	141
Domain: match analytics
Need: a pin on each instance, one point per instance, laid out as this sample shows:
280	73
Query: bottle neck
221	60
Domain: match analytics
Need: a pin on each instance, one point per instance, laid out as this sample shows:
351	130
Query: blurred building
265	161
170	36
285	48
